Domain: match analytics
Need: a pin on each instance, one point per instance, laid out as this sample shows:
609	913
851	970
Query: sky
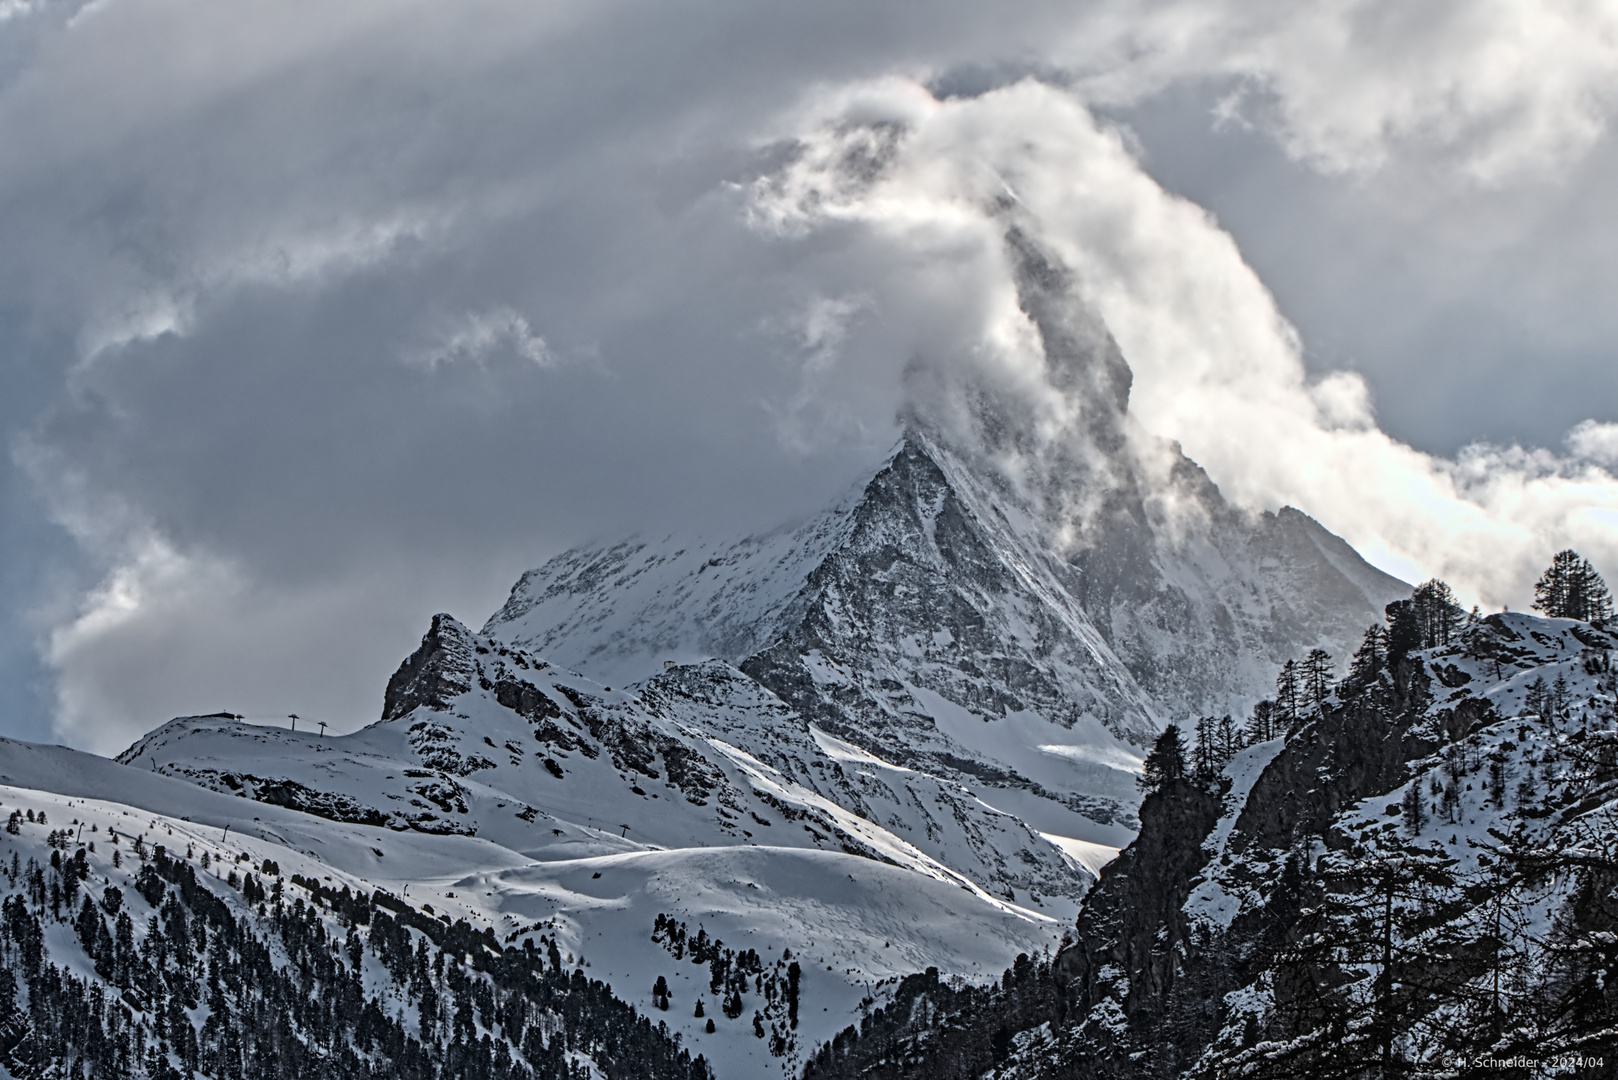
316	319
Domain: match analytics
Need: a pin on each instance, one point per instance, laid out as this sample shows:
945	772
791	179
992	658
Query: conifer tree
1414	809
1570	588
1370	658
1316	677
1437	616
1367	961
1288	694
1166	762
1205	754
1404	631
1261	725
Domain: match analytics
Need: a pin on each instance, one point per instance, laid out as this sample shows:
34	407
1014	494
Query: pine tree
1404	631
1366	963
1414	808
1205	754
1166	762
1570	588
1288	696
1370	658
1316	677
1261	725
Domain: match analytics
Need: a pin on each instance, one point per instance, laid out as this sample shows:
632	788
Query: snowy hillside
484	740
1418	879
850	922
548	802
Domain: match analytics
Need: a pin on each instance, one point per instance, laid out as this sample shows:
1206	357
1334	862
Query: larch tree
1438	617
1289	693
1316	677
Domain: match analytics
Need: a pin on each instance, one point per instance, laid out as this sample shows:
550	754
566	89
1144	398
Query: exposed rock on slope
484	740
1422	872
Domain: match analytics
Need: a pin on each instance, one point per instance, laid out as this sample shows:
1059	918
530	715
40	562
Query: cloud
1216	365
226	228
1498	89
478	334
1595	442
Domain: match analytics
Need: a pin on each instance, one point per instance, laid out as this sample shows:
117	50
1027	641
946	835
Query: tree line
1570	588
270	985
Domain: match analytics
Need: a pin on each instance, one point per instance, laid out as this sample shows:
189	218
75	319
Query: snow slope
488	741
852	922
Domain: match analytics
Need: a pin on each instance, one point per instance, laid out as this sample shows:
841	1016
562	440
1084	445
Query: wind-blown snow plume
1216	365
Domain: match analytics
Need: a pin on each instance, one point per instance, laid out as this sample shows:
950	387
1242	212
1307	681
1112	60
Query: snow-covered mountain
997	604
741	786
697	795
481	739
1418	879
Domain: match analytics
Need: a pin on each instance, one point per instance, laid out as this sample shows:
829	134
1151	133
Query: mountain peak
1051	403
441	668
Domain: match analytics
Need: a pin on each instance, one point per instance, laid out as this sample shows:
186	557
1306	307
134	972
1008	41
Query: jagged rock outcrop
1132	935
439	671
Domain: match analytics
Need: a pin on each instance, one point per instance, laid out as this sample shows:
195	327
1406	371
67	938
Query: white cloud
477	335
1216	366
284	256
1595	442
1502	89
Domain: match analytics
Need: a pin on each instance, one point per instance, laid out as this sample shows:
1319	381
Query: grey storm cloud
326	317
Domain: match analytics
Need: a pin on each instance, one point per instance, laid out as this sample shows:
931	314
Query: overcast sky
316	319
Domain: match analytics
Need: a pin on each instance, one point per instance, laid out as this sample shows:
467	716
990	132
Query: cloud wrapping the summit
348	313
1216	365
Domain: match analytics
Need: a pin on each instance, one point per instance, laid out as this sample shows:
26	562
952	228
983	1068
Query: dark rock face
1132	933
440	670
1339	758
920	593
280	791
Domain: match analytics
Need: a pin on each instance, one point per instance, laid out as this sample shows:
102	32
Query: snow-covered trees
1570	588
271	989
1368	957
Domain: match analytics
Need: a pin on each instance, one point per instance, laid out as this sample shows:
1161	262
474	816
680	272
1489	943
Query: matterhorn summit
1019	597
